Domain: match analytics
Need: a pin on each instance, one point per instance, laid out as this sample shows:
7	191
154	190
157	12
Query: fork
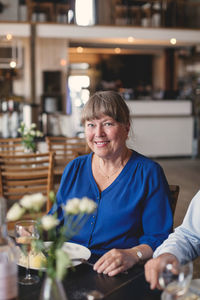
85	261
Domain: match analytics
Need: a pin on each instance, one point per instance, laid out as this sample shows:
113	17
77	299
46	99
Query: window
85	12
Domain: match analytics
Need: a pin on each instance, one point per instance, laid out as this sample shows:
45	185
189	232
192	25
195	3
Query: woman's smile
101	143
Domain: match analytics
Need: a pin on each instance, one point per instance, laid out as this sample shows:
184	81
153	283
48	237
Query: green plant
76	213
29	136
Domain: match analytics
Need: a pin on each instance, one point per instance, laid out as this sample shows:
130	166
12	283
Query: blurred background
54	54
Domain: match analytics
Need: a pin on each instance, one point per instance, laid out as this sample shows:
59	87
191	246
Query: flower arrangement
29	135
76	212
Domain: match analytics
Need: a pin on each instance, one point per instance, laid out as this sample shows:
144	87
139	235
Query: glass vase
52	289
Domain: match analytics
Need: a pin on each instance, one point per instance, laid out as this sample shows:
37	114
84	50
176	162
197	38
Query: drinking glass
175	280
25	233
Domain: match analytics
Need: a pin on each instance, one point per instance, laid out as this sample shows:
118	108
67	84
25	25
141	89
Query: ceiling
115	36
126	37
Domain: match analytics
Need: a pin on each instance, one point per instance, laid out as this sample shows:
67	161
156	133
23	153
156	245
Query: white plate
74	251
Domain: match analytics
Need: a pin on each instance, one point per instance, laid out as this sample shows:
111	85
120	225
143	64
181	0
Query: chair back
174	190
26	174
46	7
11	146
65	149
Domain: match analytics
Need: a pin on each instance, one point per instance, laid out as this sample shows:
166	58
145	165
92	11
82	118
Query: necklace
117	170
111	175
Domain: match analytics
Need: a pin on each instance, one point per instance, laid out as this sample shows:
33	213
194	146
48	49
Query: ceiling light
117	50
173	41
131	39
63	62
79	49
13	64
9	36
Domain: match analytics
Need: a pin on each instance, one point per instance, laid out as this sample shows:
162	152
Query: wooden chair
26	174
11	146
174	189
61	9
40	7
66	149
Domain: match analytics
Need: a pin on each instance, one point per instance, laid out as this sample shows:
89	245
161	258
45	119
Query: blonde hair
107	103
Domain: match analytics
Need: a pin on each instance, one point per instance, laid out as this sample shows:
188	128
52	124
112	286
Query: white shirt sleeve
184	242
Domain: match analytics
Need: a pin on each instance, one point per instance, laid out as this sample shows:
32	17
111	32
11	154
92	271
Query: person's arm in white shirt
184	242
182	245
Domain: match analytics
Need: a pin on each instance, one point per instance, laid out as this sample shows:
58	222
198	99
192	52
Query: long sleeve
134	209
156	213
184	242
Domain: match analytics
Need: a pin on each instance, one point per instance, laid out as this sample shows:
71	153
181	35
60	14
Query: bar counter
162	128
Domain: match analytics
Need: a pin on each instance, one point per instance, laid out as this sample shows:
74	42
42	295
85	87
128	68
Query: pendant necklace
117	170
108	176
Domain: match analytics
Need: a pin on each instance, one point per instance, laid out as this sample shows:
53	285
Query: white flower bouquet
76	213
29	136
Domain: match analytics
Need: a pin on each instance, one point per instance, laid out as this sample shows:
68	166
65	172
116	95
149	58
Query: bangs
98	107
105	103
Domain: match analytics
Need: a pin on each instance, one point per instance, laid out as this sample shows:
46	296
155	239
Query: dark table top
83	279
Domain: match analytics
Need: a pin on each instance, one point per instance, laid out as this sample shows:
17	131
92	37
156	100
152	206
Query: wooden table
131	286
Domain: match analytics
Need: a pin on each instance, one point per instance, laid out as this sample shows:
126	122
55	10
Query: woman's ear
128	127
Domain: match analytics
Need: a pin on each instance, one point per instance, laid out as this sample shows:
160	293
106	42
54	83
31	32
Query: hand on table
155	265
116	261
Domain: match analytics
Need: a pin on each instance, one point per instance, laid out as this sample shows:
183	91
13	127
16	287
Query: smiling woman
133	213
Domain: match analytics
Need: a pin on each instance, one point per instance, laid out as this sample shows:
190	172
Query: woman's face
105	136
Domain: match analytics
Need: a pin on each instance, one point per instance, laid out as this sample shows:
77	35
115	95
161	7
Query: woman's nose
99	131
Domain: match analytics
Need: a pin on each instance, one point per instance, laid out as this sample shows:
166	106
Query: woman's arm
157	218
119	260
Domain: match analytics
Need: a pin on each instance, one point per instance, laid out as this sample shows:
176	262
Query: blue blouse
133	210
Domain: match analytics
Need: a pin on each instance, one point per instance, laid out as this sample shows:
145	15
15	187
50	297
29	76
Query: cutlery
85	261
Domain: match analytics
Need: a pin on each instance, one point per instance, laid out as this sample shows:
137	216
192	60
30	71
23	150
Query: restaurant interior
55	54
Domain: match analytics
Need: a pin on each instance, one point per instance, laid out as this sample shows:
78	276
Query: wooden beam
32	64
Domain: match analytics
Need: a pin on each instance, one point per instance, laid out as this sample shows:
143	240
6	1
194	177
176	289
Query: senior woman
133	216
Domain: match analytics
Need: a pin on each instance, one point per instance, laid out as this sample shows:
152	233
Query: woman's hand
116	261
155	265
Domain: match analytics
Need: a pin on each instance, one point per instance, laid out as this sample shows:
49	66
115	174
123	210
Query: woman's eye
90	125
108	124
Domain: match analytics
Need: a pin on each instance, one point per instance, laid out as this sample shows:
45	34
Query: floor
185	173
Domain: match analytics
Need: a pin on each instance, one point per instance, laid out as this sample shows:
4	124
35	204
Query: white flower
76	206
26	202
49	222
32	132
72	206
38	201
15	212
39	133
33	202
33	125
87	205
25	131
